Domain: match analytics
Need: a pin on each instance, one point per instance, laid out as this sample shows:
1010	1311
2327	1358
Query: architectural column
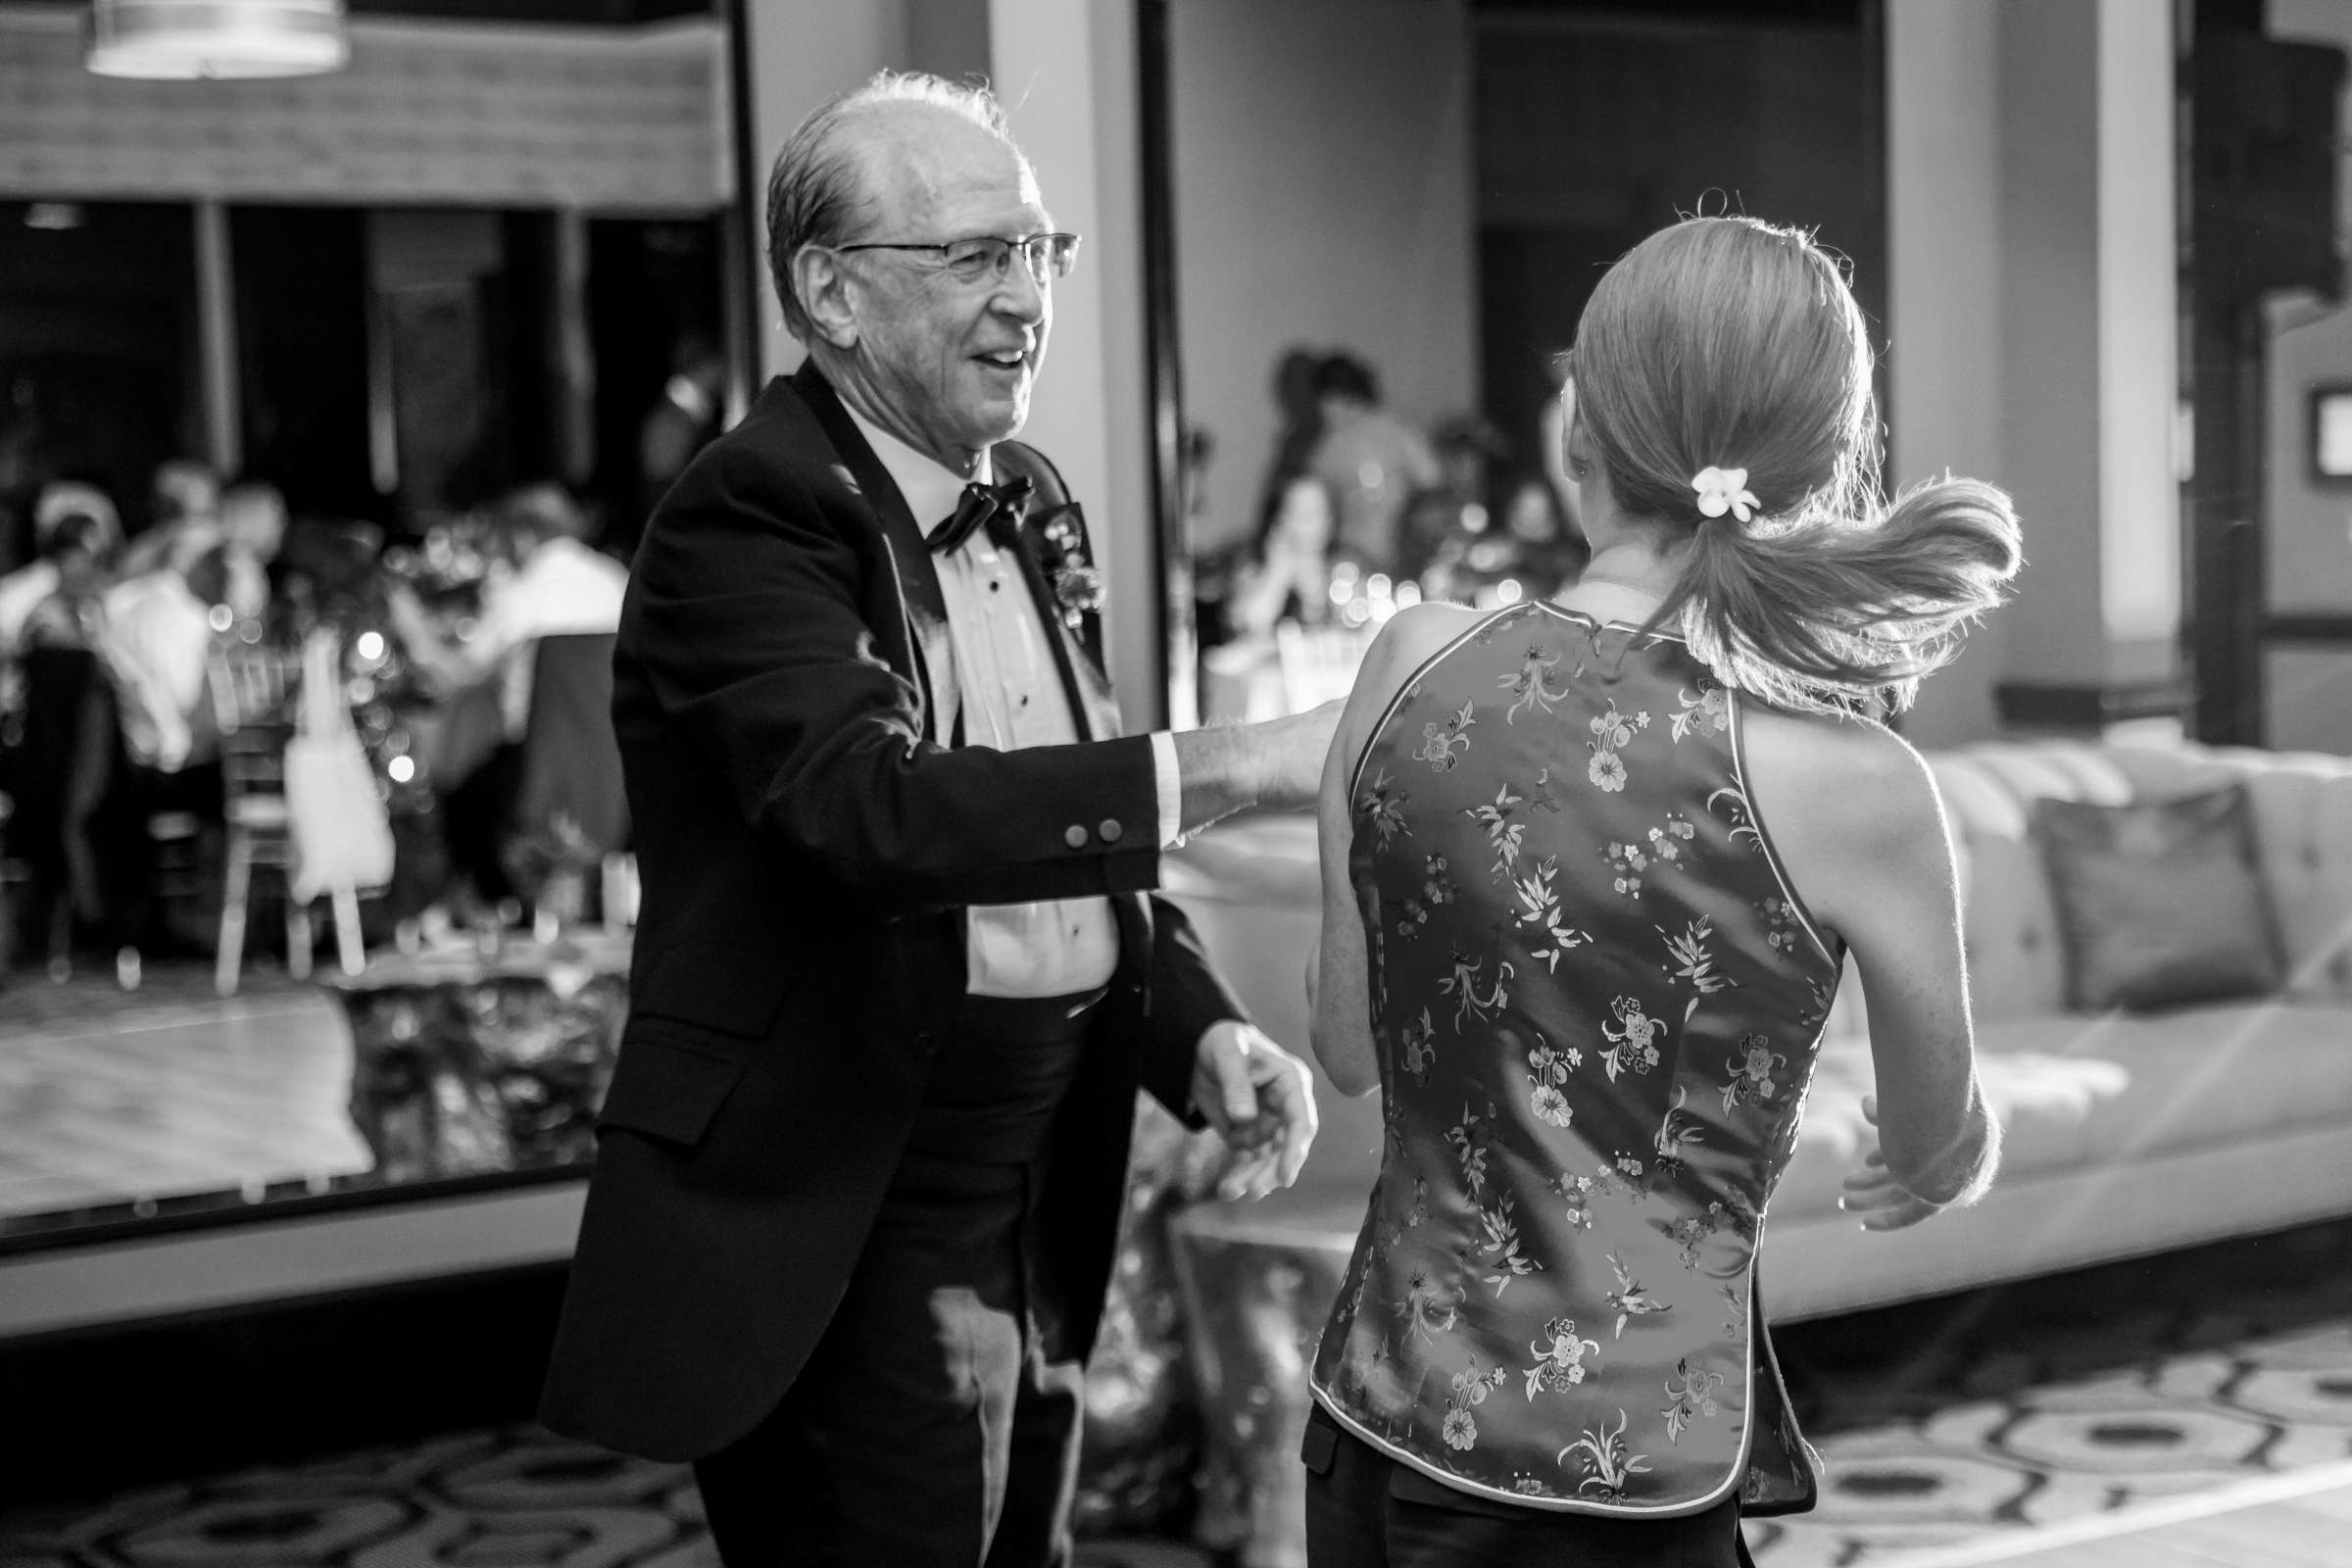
216	340
2033	336
1066	72
572	352
2139	317
1945	388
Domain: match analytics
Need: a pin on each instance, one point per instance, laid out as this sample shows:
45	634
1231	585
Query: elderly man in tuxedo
898	976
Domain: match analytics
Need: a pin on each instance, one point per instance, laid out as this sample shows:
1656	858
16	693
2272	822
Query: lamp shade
192	39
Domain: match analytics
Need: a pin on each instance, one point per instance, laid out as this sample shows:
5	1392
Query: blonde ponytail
1730	343
1832	612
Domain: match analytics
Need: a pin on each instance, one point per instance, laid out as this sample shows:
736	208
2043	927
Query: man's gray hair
814	190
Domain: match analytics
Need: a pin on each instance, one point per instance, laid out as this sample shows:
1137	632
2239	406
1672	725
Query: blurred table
1288	671
465	1062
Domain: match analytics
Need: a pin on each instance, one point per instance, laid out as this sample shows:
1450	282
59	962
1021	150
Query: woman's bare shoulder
1425	628
1408	641
1840	772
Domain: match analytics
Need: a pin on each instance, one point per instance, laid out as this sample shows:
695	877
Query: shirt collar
930	488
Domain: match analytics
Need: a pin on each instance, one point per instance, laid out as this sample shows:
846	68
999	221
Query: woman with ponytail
1592	869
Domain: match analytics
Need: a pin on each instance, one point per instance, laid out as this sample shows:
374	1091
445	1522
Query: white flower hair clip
1722	490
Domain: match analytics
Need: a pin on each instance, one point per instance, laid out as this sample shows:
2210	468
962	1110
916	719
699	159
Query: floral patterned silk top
1597	1005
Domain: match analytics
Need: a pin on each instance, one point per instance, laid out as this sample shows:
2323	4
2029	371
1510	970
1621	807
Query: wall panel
426	112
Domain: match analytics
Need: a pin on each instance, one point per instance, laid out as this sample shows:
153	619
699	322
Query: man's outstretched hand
1873	1194
1261	1100
1275	764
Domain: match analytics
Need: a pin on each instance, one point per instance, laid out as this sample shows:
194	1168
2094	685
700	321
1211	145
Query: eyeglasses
985	257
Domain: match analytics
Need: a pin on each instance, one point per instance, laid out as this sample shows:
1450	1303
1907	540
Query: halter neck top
1596	1004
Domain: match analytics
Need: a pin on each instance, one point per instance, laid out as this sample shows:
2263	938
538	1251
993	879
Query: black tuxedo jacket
806	844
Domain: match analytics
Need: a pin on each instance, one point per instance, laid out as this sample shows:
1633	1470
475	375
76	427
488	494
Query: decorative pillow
2160	902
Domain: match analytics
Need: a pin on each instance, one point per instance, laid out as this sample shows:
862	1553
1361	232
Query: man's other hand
1261	1100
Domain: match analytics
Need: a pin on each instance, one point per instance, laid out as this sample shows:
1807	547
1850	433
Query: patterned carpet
1975	1418
1966	1420
2097	1444
515	1498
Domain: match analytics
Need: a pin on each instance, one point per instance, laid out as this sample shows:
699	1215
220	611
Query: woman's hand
1874	1196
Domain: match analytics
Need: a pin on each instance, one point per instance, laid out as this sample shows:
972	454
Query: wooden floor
176	1095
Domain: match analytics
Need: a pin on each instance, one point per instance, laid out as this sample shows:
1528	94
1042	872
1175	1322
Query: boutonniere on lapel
1076	581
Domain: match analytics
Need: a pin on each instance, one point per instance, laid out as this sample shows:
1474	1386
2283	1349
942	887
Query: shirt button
1110	830
1074	836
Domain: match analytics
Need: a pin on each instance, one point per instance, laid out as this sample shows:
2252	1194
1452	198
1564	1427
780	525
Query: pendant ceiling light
194	40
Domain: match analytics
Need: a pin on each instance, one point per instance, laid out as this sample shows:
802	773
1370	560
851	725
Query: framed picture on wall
2331	432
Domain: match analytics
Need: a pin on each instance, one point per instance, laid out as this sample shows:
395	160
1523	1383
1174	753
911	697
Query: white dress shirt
156	636
20	594
1007	690
563	588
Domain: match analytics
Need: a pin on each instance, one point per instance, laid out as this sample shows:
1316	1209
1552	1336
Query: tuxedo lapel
1093	709
903	538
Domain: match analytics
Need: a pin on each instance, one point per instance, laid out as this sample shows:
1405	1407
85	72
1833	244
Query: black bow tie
979	504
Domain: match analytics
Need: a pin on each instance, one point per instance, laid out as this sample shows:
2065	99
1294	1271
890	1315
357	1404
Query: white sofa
2126	1132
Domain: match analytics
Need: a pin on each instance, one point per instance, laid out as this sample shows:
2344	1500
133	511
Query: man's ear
823	286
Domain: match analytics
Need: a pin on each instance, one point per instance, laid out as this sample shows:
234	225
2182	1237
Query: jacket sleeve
1187	997
745	632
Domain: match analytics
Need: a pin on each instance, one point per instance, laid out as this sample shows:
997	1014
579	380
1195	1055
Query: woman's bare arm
1859	826
1339	985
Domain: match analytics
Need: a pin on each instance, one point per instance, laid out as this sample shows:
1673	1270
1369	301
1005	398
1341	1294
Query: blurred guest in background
184	506
156	631
1371	461
558	586
1520	548
154	638
689	414
1291	570
1459	506
1546	553
252	526
76	551
75	527
1299	432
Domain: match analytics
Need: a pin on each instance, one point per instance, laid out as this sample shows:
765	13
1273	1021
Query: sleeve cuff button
1110	830
1074	836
